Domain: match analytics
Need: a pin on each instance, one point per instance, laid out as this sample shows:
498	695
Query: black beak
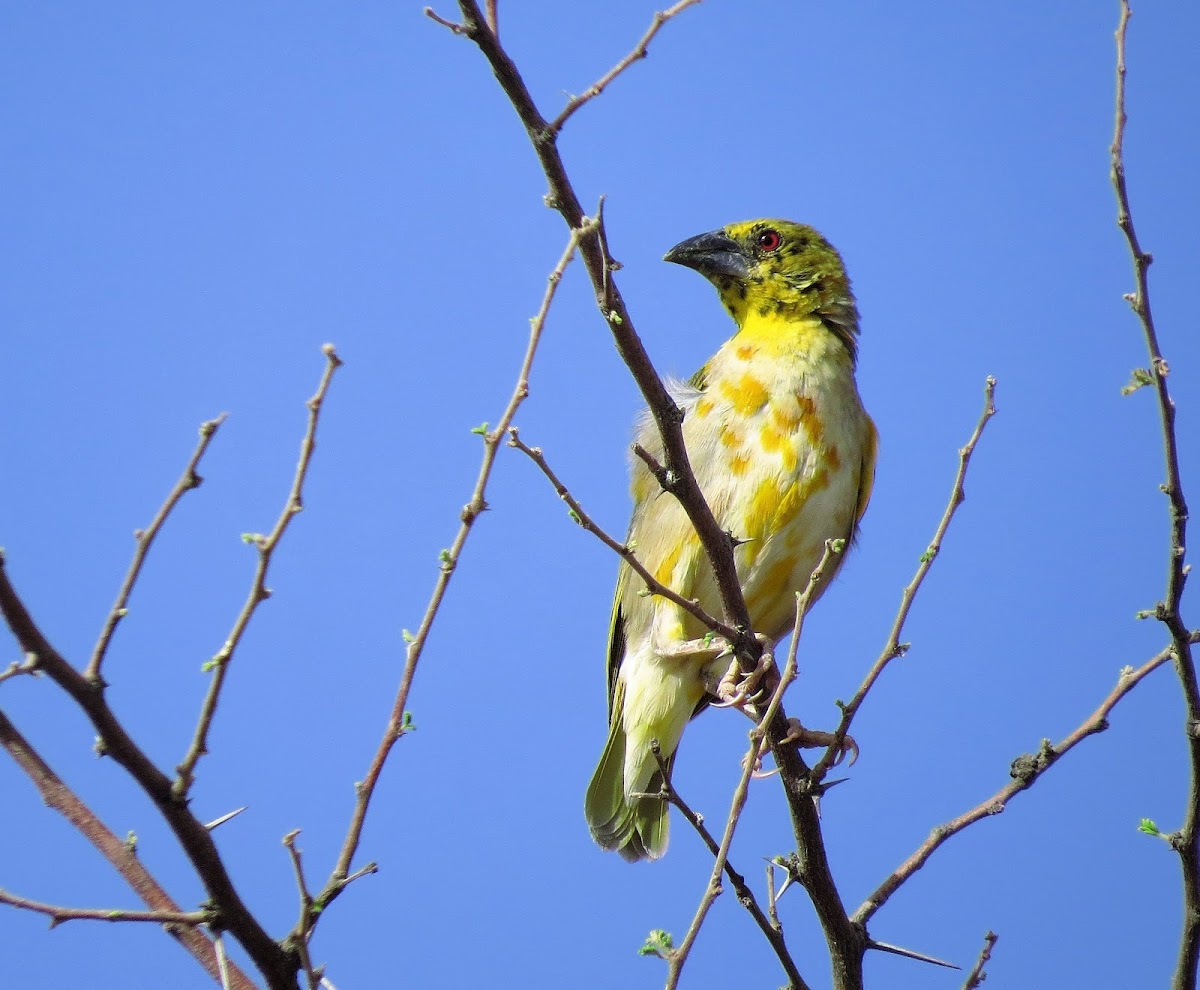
712	255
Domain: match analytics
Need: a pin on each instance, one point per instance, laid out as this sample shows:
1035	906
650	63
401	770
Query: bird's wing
866	474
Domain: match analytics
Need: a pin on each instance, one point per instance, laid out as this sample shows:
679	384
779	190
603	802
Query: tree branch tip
433	15
331	352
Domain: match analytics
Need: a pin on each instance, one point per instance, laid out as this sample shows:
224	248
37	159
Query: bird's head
774	269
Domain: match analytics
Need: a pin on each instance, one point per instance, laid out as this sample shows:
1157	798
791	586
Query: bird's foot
735	689
798	735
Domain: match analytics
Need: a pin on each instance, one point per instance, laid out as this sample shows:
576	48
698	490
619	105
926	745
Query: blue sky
195	199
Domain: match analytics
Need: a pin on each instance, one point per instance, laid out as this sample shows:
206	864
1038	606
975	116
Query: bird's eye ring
769	240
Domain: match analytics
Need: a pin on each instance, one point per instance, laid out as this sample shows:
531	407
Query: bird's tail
634	827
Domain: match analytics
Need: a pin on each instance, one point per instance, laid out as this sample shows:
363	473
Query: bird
784	453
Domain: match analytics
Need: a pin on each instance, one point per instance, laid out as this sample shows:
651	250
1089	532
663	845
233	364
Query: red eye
769	240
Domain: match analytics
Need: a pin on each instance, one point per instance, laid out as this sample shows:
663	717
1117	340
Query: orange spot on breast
746	351
729	436
785	419
747	395
738	464
832	458
770	438
814	429
704	407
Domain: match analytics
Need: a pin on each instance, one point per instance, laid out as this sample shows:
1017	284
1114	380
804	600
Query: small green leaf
406	723
254	538
615	317
444	556
481	429
1145	613
928	555
574	516
658	943
408	636
709	637
1138	378
209	665
1147	825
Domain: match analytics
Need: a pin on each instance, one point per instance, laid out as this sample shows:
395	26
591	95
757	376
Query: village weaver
785	456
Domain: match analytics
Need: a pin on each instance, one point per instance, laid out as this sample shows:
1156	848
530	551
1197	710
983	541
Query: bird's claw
798	735
741	691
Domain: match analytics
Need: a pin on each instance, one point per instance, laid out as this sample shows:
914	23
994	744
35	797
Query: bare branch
976	976
58	796
770	927
640	51
893	648
627	553
275	964
1168	610
145	537
259	592
59	914
398	721
1025	771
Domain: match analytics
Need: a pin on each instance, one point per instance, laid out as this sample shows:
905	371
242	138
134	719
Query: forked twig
769	926
265	545
640	51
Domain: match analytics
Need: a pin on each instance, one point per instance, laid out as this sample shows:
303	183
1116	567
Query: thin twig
58	796
760	741
893	648
276	965
1168	611
769	926
626	552
59	914
1025	771
398	720
303	930
18	667
640	51
145	537
265	545
976	976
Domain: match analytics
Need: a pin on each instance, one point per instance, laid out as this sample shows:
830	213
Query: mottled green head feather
774	268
